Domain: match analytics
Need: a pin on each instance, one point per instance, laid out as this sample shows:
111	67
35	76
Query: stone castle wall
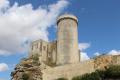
68	71
116	60
71	70
45	50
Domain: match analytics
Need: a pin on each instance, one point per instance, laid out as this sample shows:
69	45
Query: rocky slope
27	69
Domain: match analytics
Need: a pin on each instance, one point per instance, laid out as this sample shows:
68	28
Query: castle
64	54
65	49
61	58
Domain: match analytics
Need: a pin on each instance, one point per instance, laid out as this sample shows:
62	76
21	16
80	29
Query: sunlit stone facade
65	49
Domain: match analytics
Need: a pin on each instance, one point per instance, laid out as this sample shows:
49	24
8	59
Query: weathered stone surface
68	71
27	67
67	40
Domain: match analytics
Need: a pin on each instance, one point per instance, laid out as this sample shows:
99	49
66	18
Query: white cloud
84	56
114	52
21	23
3	67
4	4
4	52
83	46
97	54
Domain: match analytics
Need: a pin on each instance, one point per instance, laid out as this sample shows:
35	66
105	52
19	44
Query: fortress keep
67	40
65	49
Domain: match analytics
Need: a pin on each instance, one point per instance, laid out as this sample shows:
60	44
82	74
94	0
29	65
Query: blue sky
98	30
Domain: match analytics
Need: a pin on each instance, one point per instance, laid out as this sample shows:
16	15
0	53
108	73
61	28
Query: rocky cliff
27	69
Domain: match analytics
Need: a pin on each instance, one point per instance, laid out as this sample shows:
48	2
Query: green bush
36	59
112	72
25	76
92	76
76	78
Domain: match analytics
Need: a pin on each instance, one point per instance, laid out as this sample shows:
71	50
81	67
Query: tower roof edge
67	16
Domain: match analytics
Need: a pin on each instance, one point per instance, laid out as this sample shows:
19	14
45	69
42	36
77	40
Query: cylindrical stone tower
67	39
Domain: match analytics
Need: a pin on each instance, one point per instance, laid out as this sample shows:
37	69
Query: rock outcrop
27	69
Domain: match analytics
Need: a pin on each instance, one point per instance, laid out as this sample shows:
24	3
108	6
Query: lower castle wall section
68	71
118	60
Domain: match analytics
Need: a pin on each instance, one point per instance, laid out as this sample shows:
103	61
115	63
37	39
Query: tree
36	59
113	72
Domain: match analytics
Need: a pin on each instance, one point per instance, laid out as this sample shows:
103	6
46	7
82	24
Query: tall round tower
67	39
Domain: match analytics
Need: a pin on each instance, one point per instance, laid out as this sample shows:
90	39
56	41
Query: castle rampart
68	71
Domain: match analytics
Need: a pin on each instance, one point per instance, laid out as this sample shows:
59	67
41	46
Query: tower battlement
67	16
